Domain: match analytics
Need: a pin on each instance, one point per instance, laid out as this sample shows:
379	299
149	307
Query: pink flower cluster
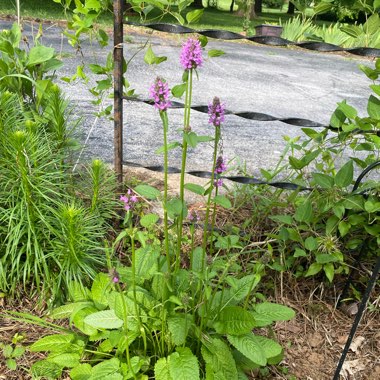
220	167
191	54
129	200
216	112
159	91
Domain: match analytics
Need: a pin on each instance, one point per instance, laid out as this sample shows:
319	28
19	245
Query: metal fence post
118	88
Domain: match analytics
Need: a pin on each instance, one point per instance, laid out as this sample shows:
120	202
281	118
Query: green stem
186	127
165	122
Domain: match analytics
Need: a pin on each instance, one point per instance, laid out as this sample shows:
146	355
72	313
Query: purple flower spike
129	200
221	165
159	91
216	112
191	54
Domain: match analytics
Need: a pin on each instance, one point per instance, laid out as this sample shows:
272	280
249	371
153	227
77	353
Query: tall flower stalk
191	58
159	91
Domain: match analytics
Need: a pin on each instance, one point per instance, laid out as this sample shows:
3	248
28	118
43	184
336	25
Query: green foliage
297	29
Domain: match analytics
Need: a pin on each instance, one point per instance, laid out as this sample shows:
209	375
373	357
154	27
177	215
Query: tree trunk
258	8
197	4
291	8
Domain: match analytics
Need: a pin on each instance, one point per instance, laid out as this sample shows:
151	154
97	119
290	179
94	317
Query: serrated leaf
223	201
107	369
149	220
249	347
218	358
178	90
161	370
147	191
197	189
68	360
241	287
105	319
373	107
270	347
66	311
81	372
146	263
179	328
53	343
274	311
215	53
234	320
46	369
100	290
183	365
345	175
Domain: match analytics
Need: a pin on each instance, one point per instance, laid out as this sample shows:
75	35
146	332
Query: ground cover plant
173	295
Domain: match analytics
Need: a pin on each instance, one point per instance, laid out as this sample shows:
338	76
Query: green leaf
371	206
194	16
304	212
100	289
191	138
218	358
270	347
375	87
323	180
170	146
174	207
179	326
311	243
299	253
107	369
274	311
105	319
53	343
349	111
373	107
370	73
345	175
344	228
66	311
313	269
149	220
183	365
329	271
151	59
285	219
68	360
203	40
223	201
178	90
46	369
325	258
146	262
215	53
161	370
197	189
11	364
39	54
234	320
81	372
376	4
249	346
322	7
147	191
241	287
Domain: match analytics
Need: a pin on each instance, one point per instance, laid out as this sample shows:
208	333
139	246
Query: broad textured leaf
105	319
345	175
161	370
270	347
147	191
66	311
183	365
40	54
323	180
68	360
106	368
149	220
179	328
313	269
234	320
329	271
221	200
81	372
217	355
215	53
242	286
146	263
373	107
178	90
349	111
249	347
285	219
274	311
194	16
53	343
100	290
311	243
304	212
78	320
46	369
